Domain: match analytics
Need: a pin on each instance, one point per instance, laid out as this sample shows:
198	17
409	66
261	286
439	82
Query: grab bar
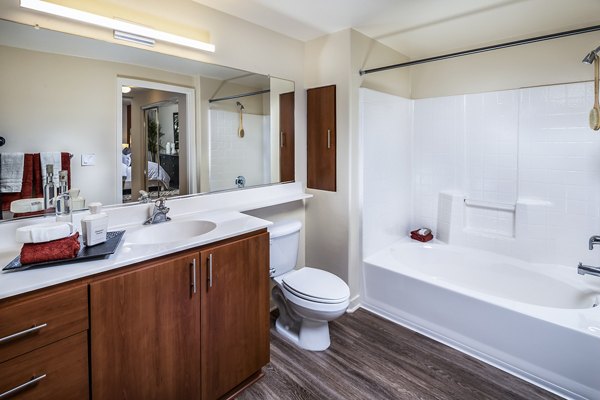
490	205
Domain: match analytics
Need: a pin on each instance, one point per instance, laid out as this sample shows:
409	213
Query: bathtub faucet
593	241
588	269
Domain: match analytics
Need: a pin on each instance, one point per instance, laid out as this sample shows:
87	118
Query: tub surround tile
529	146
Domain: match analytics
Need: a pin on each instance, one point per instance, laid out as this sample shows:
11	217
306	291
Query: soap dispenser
49	187
94	226
63	200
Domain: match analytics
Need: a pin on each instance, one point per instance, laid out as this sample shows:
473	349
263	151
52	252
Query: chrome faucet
594	240
588	269
159	214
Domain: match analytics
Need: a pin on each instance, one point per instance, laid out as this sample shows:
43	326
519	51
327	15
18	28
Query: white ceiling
417	28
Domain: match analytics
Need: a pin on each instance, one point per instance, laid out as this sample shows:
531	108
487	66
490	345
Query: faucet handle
160	203
144	196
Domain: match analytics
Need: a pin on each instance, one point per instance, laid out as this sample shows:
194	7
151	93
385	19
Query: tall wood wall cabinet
321	138
286	137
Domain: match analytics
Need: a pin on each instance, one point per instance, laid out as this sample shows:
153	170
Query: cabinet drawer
56	371
44	319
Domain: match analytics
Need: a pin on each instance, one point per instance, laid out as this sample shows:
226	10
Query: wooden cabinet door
145	332
286	137
235	313
321	138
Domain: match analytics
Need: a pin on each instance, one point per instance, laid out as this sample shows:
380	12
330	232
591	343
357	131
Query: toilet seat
317	286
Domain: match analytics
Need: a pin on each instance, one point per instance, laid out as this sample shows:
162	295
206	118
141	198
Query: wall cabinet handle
210	262
194	288
281	139
328	138
33	329
34	380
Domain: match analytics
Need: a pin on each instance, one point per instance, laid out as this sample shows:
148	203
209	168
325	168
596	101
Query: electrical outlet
88	159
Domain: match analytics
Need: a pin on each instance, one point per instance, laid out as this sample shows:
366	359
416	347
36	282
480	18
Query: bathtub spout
587	269
593	241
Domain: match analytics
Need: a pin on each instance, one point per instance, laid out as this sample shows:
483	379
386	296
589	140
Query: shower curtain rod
237	96
484	49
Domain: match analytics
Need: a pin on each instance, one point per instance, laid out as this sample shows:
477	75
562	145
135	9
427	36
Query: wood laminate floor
372	358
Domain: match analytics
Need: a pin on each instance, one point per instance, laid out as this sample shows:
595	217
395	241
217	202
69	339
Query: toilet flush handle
271	271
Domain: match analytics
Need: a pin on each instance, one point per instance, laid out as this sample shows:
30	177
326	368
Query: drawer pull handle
33	329
281	139
194	276
328	138
210	258
34	380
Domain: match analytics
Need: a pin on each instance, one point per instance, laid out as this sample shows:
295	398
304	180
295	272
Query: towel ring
2	141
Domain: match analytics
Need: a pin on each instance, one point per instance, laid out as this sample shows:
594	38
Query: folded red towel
61	249
420	238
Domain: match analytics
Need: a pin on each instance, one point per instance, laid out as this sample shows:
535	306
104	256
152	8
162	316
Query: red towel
61	249
33	185
415	235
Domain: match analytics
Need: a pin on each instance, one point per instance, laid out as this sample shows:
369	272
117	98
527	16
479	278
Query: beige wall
327	63
333	218
69	104
545	63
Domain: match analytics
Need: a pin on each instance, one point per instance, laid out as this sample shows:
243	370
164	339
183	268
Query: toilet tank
284	240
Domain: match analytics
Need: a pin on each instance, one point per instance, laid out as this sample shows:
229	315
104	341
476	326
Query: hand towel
11	172
62	249
53	158
420	238
27	188
45	232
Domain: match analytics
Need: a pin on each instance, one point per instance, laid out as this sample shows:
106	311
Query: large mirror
121	119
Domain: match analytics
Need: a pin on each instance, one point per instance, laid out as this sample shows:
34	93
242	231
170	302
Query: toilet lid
317	285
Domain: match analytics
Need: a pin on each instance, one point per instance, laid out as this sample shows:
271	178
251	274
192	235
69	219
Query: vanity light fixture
130	37
115	24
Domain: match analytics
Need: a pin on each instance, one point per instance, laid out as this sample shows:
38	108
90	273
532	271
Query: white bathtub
539	322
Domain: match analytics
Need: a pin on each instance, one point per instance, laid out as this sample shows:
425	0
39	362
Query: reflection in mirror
153	153
61	94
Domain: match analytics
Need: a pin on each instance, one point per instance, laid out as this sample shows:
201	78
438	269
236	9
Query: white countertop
228	224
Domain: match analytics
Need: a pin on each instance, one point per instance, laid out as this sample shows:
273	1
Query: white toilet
307	298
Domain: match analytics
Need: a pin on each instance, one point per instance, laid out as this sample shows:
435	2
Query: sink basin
167	232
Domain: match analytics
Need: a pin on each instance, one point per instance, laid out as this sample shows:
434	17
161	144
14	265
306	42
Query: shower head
591	56
241	107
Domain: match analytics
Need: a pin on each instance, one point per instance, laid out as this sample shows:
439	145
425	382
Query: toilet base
312	335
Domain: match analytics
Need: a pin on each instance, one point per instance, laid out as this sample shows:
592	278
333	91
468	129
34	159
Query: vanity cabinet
235	313
188	326
145	332
321	138
43	345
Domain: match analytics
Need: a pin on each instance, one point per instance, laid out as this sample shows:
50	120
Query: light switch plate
88	159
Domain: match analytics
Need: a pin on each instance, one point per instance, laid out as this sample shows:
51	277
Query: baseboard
354	304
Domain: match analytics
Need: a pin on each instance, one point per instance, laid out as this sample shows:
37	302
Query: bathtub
536	321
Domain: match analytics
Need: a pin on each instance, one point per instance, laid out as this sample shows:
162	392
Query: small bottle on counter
49	187
63	200
94	226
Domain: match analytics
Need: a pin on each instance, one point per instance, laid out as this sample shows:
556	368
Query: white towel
11	172
54	159
44	232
